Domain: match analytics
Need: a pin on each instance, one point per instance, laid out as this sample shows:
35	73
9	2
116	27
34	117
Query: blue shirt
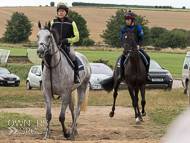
140	31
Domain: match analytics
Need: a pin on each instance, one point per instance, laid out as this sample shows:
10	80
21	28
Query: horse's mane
55	33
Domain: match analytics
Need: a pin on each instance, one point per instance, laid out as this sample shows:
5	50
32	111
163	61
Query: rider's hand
138	47
63	41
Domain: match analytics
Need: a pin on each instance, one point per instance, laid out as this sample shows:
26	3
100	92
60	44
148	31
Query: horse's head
129	42
45	38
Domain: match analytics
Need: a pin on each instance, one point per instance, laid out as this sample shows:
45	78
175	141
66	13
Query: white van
185	73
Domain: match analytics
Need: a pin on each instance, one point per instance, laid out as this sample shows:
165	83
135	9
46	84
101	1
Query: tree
52	4
114	25
81	25
155	32
18	28
173	39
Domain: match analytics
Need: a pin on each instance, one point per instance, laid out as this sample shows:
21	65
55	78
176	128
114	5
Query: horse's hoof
138	122
75	132
141	119
67	134
143	114
46	137
111	114
72	137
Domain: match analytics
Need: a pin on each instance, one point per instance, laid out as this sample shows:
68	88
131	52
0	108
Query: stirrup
148	77
119	78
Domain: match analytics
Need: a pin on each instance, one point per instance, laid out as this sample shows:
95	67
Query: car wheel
41	86
28	87
187	88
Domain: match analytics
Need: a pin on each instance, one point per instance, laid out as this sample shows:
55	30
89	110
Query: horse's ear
39	25
49	24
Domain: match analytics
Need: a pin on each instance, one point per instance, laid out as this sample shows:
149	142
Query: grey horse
58	79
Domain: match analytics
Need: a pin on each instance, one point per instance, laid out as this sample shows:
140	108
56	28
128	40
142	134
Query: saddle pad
80	64
126	60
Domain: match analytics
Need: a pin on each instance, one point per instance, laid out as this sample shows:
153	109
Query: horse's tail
108	84
85	101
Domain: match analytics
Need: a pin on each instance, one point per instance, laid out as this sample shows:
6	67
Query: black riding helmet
62	6
130	15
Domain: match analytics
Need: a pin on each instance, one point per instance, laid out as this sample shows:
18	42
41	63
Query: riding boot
147	73
76	72
121	73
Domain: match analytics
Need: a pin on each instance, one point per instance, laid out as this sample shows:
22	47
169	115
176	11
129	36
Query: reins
50	68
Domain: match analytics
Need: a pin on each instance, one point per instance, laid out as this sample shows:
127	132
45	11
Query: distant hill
96	18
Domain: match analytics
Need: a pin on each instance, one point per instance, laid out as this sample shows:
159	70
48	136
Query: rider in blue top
130	17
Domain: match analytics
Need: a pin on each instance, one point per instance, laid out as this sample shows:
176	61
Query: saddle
145	61
65	53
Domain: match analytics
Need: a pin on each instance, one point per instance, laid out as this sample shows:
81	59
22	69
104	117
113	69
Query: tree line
19	28
116	5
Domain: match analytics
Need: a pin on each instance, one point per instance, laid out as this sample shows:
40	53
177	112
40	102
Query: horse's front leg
65	102
116	85
48	99
139	118
143	101
135	104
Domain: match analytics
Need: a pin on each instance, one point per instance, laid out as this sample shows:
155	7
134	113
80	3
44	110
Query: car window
186	62
4	71
101	69
34	70
38	71
154	65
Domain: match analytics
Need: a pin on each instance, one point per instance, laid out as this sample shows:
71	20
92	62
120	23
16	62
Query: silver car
34	79
100	72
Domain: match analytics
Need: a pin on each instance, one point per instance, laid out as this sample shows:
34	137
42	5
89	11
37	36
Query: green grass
15	51
171	61
16	120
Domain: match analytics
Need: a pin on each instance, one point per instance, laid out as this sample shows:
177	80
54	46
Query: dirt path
95	125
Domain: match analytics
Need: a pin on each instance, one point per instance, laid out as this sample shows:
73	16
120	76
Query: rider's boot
147	73
121	72
76	72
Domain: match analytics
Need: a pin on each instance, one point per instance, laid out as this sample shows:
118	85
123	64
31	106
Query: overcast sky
173	3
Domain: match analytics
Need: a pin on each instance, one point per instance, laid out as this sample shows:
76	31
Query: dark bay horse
134	76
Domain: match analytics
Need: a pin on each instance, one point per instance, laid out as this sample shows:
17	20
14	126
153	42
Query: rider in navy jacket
138	32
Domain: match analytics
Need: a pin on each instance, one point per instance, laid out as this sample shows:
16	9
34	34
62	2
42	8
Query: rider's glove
63	41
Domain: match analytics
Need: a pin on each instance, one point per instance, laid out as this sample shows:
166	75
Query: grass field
171	61
96	18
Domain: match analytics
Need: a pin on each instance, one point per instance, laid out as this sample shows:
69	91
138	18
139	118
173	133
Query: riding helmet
129	15
62	6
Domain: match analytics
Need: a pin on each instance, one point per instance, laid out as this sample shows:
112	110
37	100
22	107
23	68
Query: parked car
100	72
185	73
160	77
34	79
8	78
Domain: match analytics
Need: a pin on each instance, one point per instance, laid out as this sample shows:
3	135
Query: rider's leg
121	73
75	62
147	67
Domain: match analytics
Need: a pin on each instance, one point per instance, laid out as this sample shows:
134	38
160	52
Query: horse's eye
49	36
37	36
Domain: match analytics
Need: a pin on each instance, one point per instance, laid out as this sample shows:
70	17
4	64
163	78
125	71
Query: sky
173	3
